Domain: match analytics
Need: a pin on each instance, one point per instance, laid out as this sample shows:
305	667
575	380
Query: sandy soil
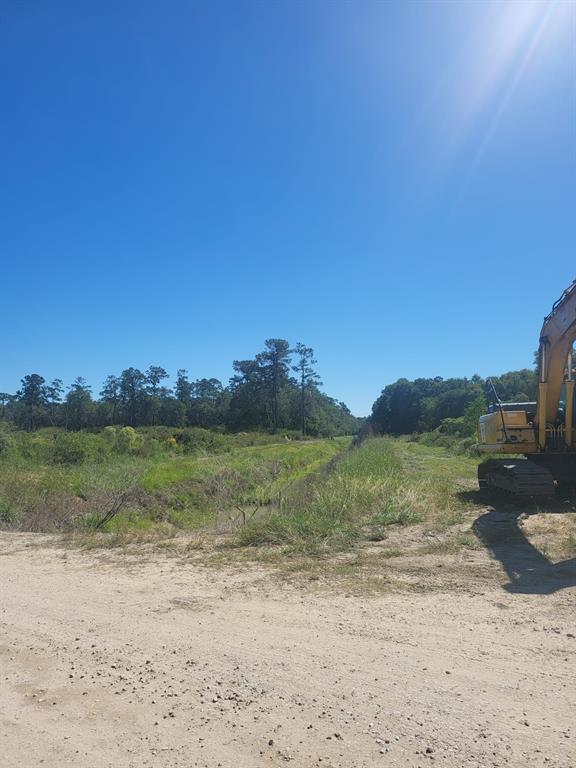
112	660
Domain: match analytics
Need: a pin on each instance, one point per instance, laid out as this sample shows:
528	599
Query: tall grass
460	446
208	480
367	490
307	496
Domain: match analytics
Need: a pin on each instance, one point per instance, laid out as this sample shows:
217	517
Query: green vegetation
301	495
319	509
304	496
158	480
448	406
235	460
149	458
262	395
377	485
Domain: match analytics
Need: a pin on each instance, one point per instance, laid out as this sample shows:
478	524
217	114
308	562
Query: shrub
8	514
69	449
6	443
128	440
463	446
197	439
52	512
109	435
453	426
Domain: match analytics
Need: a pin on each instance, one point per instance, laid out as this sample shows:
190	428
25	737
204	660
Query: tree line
276	390
423	405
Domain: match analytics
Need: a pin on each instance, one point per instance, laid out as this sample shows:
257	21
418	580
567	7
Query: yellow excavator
541	431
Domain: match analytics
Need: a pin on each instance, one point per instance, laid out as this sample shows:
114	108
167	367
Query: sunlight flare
512	36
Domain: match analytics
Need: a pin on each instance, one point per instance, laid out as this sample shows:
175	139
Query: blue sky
392	183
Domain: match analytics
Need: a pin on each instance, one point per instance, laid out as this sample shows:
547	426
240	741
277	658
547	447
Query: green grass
364	492
170	471
300	496
159	491
382	483
292	460
440	463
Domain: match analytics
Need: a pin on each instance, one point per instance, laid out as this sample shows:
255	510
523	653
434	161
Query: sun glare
511	40
506	43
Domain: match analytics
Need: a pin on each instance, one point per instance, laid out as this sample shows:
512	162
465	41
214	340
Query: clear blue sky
392	183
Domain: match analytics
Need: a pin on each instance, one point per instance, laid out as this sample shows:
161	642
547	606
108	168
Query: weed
364	490
568	545
8	515
117	479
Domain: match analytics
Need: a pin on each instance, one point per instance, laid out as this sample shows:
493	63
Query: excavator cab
537	437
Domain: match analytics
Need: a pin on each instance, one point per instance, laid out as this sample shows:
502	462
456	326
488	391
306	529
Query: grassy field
153	485
245	496
306	496
382	483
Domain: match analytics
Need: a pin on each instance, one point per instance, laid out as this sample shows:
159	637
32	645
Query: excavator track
520	477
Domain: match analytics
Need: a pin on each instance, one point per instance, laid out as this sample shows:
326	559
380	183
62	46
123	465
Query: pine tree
307	377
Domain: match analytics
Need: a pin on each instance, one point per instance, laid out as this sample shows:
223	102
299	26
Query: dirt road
108	660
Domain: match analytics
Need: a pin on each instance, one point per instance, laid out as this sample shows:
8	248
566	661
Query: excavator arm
555	358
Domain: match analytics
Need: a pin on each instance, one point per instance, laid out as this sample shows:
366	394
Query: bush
69	449
128	440
453	426
461	446
197	439
6	444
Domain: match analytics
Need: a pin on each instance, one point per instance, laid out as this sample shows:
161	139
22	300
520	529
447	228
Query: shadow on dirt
529	570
